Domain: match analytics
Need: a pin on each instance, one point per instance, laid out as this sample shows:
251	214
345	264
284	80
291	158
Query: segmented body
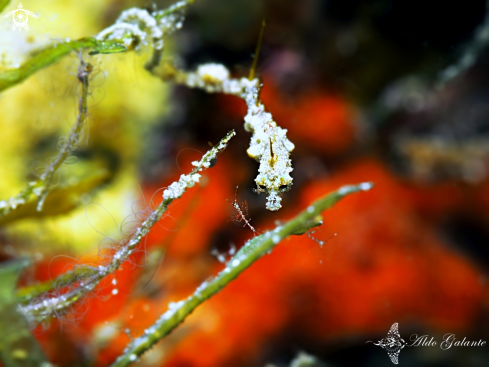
243	217
242	213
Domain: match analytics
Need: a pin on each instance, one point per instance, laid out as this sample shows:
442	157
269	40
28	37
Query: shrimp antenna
257	51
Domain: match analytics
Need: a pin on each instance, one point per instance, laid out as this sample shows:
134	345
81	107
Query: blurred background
393	92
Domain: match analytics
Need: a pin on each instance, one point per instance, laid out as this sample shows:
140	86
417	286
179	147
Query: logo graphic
20	17
392	343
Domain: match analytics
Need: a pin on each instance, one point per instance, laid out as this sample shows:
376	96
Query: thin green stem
247	255
3	4
181	5
27	294
41	59
75	135
18	347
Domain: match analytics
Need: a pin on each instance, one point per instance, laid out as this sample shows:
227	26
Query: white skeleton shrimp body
242	213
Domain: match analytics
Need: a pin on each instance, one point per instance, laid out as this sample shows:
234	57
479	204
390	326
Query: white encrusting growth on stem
137	27
176	189
269	144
